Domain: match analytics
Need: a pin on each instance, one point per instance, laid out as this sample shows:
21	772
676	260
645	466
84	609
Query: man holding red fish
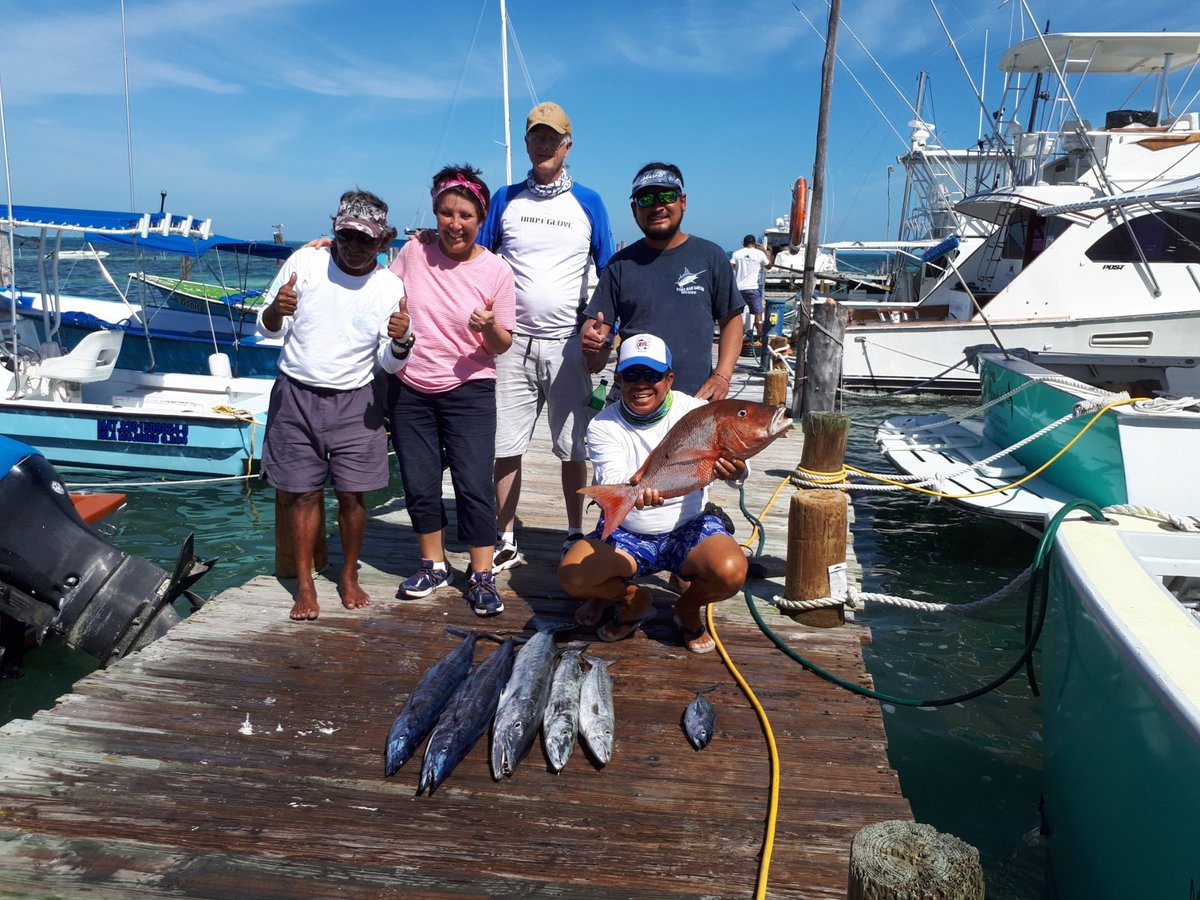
653	455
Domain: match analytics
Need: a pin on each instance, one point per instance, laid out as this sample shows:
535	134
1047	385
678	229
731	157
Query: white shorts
532	373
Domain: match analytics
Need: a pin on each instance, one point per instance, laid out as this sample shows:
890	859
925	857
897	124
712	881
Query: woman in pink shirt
461	303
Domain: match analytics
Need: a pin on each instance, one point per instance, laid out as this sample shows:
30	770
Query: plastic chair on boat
92	359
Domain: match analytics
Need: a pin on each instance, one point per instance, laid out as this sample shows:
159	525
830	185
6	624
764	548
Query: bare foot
590	613
631	615
306	607
352	594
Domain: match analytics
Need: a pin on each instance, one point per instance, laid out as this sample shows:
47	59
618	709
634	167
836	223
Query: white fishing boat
80	409
1121	709
1061	427
1094	248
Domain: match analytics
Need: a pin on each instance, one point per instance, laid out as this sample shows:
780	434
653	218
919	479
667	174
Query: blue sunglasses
638	373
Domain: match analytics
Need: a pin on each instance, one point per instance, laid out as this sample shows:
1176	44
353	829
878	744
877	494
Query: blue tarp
83	220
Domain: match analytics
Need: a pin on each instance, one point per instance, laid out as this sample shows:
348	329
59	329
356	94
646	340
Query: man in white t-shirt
749	263
554	233
333	307
675	535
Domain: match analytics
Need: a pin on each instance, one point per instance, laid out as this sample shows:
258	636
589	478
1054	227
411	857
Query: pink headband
459	181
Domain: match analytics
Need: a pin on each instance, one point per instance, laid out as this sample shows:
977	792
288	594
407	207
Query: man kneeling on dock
342	316
674	535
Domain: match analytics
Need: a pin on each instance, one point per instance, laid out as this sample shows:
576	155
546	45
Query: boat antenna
9	277
162	203
128	113
504	80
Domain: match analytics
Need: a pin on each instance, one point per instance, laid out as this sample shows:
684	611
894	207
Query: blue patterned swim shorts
663	552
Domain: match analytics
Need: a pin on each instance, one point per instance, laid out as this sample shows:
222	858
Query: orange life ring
799	206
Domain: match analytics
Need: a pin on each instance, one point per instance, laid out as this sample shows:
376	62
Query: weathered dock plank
241	755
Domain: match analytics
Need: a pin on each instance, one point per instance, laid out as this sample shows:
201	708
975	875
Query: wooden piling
285	552
913	860
823	358
775	387
818	521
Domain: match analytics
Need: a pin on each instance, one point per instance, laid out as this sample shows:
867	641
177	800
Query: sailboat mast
504	77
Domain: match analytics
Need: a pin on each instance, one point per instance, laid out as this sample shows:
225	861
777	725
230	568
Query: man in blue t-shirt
672	285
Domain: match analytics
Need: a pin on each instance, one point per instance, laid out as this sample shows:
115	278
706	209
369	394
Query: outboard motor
57	574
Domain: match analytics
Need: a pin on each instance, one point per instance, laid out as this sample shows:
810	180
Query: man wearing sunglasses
669	284
333	306
676	535
552	231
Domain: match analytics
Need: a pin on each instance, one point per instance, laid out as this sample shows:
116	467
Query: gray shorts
534	372
314	434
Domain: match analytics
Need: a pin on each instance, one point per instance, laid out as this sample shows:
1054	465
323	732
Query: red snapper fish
686	459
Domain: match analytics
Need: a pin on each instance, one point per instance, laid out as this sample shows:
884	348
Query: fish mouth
779	422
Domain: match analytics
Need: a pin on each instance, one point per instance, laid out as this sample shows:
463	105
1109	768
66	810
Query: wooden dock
241	755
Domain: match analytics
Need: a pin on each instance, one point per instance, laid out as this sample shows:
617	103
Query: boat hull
1122	725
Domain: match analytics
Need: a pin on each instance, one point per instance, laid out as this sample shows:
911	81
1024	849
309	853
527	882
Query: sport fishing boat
1121	709
81	409
174	324
1059	427
1095	246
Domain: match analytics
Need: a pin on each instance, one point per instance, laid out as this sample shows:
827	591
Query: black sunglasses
353	236
634	375
653	198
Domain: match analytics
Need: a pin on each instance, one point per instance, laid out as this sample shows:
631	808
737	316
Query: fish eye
741	413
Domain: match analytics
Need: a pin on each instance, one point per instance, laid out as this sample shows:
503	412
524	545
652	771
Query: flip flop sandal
692	635
615	630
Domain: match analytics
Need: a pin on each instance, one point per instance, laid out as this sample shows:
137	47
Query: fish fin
467	632
615	501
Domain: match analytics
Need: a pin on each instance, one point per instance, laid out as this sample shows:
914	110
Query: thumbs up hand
286	298
399	322
483	319
593	337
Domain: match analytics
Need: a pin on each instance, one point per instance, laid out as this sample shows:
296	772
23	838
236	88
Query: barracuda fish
425	703
465	717
700	720
686	459
596	718
560	722
519	713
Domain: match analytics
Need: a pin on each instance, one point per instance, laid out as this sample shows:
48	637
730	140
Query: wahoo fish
519	713
426	702
560	723
700	720
596	715
686	459
465	717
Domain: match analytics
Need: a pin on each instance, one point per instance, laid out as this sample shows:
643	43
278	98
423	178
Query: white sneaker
507	557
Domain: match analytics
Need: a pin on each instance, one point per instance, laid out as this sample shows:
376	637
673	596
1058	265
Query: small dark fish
700	720
465	717
426	702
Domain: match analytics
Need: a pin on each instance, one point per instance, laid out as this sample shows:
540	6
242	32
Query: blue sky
257	112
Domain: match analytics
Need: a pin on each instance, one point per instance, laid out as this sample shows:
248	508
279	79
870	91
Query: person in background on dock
460	297
551	230
339	313
675	535
749	263
669	284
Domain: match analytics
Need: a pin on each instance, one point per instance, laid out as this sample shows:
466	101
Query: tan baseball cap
548	114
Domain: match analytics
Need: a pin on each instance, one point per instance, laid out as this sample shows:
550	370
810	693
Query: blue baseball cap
644	350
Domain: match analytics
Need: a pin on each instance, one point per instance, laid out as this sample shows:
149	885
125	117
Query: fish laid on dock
465	717
521	706
686	459
597	719
560	722
426	702
700	720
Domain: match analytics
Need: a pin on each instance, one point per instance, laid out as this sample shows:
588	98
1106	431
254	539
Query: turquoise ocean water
973	770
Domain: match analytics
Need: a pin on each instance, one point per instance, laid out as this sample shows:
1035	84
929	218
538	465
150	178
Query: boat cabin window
1028	234
1165	236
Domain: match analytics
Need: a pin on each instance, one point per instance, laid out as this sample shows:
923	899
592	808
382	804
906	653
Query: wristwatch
402	346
